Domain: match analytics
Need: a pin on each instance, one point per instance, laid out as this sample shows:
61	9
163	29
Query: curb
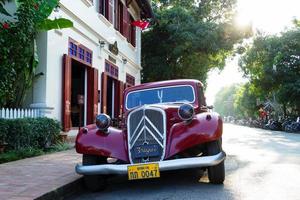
64	191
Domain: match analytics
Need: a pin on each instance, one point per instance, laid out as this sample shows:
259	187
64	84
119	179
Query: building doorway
111	97
78	94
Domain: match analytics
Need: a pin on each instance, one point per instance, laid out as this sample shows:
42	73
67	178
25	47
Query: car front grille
146	131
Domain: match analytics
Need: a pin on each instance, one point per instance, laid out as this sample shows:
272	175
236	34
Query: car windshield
172	94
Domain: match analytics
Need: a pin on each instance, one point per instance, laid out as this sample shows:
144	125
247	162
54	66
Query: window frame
103	8
130	80
78	56
112	71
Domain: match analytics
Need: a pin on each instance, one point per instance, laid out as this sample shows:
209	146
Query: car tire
216	174
94	182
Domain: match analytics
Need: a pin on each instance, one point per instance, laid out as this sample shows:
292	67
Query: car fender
95	142
204	127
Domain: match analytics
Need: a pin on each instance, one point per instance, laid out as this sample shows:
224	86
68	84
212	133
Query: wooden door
121	90
92	94
117	98
104	93
66	92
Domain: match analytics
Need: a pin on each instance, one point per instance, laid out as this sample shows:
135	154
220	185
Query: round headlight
103	121
186	112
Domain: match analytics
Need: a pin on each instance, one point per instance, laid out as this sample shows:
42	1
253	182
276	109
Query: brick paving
33	177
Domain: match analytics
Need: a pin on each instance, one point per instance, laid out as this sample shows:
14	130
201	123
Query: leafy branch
18	52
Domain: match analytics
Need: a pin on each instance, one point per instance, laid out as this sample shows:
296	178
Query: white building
87	67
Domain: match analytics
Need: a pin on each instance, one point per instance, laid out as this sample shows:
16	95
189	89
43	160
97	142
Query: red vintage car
165	126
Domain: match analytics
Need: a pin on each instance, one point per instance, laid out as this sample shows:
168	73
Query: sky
269	16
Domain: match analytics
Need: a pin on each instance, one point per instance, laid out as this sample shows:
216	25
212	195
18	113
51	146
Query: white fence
10	113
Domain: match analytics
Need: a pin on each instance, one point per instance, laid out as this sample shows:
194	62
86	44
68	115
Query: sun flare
270	16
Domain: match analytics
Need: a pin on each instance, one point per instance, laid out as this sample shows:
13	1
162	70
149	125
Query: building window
89	57
130	80
103	8
112	70
106	8
120	17
80	52
107	67
117	13
72	49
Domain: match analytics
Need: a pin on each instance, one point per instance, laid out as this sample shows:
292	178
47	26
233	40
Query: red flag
140	23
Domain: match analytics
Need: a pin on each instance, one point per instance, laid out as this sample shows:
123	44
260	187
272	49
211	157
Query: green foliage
4	130
28	152
237	100
49	24
272	64
19	154
296	22
18	52
189	39
60	146
30	133
245	102
225	98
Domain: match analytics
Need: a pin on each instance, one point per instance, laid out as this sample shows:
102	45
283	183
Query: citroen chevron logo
143	128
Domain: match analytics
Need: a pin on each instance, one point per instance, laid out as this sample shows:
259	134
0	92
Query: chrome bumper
166	165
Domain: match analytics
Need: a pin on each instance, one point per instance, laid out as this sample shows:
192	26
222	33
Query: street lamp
124	60
102	43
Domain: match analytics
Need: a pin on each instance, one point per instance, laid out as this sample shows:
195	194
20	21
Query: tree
18	52
272	63
237	100
189	39
245	102
225	98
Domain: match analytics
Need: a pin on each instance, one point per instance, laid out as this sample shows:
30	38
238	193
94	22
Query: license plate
143	171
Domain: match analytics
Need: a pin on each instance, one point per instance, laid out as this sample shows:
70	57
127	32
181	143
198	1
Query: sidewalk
34	177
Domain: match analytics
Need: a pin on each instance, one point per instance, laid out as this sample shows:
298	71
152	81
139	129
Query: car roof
164	83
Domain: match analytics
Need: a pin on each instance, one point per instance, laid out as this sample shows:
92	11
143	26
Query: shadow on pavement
179	184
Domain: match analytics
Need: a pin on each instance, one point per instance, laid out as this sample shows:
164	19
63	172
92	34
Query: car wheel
216	174
94	182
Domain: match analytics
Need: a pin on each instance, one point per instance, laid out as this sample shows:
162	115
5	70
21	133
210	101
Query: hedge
36	133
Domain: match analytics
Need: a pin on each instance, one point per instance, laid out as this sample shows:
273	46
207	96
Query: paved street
260	164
